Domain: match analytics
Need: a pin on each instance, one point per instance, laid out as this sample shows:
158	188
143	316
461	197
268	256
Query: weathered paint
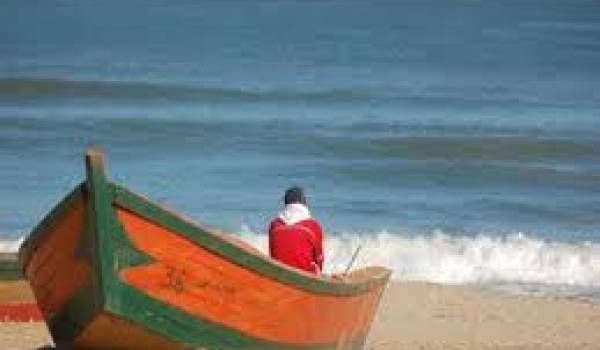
56	271
209	286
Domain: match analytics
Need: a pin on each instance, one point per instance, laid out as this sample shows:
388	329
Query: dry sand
21	335
427	316
15	292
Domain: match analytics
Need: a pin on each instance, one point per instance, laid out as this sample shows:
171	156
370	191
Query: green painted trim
109	236
102	223
181	327
74	316
39	233
258	263
106	231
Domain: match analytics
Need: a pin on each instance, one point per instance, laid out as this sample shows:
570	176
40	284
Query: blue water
465	120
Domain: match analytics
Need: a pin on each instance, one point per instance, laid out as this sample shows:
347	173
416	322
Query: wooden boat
112	270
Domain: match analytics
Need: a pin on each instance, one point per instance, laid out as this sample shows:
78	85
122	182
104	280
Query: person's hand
318	271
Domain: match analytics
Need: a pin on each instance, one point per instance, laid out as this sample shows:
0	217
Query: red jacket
299	245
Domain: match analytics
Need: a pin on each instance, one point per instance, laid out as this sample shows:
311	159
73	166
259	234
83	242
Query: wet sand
429	316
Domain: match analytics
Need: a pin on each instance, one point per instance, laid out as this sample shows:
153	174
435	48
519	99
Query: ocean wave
11	246
43	88
32	88
413	141
504	260
470	147
485	259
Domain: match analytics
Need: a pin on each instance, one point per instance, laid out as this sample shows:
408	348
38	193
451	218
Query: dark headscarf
294	194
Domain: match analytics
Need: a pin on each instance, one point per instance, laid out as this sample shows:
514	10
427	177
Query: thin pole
353	259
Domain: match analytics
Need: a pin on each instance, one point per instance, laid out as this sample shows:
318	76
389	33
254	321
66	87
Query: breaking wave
11	246
441	258
510	260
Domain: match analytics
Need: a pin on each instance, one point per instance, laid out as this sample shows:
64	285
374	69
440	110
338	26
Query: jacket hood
294	213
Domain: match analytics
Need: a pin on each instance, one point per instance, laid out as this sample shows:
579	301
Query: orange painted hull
110	269
56	271
205	284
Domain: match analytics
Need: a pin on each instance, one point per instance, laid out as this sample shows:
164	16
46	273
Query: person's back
295	238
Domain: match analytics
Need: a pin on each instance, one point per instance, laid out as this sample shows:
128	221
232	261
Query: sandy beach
455	143
21	335
429	316
426	316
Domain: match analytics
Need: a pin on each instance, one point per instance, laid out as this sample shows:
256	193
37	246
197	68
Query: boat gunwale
226	246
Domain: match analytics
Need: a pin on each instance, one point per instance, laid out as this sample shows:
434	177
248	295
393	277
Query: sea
455	141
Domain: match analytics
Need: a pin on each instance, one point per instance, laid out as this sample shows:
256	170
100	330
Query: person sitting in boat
295	238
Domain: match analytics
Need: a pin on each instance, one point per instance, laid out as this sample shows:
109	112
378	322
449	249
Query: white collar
294	213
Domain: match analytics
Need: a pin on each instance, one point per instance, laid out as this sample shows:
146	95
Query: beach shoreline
431	316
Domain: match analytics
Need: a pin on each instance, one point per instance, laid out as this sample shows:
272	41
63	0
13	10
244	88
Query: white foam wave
441	258
11	246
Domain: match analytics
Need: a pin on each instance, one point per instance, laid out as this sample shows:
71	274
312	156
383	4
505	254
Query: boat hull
110	269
